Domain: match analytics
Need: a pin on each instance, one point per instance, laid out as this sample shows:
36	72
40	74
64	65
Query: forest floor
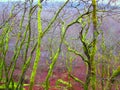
60	72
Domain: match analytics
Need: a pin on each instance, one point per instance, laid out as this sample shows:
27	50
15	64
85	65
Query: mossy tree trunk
95	34
91	74
38	52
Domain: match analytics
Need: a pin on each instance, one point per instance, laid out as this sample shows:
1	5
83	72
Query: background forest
60	45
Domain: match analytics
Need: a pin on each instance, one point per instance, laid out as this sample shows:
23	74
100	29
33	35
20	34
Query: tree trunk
91	75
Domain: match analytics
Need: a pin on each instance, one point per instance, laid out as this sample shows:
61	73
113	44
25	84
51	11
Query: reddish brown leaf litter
59	72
